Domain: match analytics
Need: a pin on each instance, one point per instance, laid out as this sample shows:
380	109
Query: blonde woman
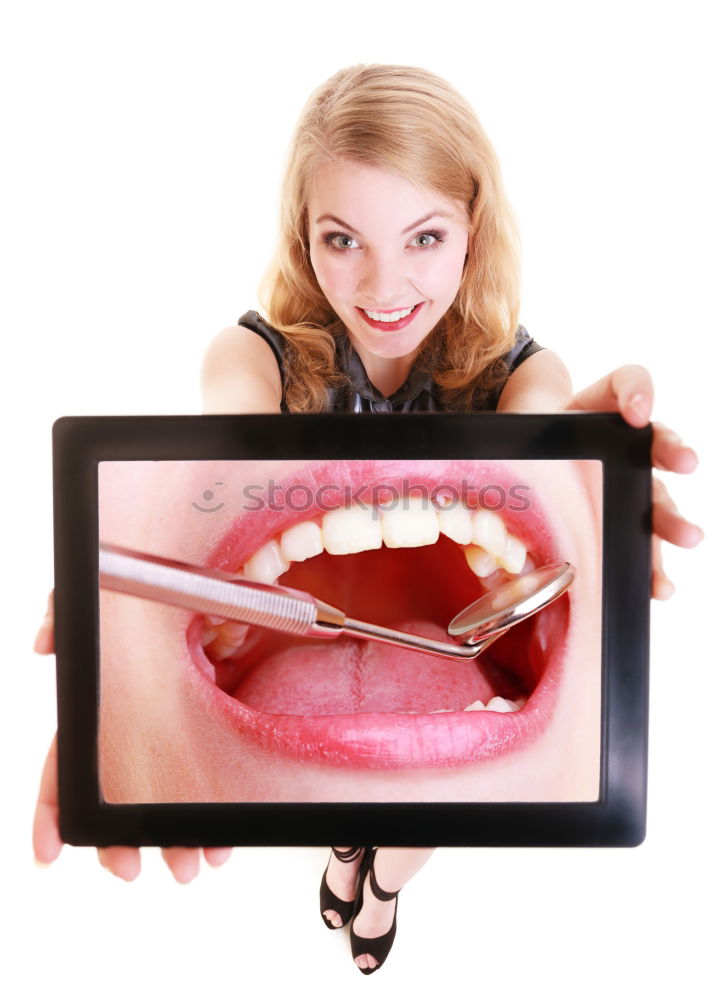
395	287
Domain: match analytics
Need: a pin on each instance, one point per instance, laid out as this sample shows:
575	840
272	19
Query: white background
142	150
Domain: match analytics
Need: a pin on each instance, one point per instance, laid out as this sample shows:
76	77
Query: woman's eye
340	241
424	240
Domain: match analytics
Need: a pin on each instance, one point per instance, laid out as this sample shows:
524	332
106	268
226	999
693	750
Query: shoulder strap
523	348
252	321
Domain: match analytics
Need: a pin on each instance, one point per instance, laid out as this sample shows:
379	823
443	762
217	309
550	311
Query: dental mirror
481	623
512	602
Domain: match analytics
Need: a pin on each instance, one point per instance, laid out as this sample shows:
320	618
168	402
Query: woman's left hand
629	391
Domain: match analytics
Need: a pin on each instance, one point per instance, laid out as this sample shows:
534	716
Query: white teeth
415	526
498	704
495	704
233	631
412	522
266	565
495	580
489	532
444	498
541	639
456	523
480	562
208	635
514	556
221	650
352	529
301	542
392	317
528	565
223	641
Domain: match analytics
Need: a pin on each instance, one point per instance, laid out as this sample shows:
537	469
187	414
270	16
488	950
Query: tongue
344	676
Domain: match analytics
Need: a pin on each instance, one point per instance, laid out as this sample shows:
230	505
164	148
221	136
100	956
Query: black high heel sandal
378	947
327	899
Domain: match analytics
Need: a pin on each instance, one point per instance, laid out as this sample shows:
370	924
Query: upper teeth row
392	317
487	543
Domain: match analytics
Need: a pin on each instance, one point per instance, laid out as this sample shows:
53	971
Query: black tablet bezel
616	819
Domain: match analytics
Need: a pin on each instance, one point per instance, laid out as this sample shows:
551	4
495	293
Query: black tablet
178	726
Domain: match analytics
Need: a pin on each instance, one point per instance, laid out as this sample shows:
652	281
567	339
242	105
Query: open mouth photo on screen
195	708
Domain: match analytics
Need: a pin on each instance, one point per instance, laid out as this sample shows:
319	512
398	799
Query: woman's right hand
45	639
125	862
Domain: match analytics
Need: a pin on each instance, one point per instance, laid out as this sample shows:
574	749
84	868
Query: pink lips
391	327
385	740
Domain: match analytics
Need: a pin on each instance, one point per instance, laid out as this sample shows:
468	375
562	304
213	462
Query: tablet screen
178	725
200	709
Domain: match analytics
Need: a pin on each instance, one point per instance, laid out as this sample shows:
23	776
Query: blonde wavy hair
412	122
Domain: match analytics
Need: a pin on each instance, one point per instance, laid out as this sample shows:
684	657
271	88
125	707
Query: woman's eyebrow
419	222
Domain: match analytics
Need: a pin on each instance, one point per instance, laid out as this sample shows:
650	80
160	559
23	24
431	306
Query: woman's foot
341	878
374	924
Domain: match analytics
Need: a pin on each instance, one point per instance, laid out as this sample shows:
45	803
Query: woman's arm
239	374
542	384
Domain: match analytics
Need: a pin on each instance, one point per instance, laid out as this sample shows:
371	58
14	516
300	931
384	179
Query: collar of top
350	362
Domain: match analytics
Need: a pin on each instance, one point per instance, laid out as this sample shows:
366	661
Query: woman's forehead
342	186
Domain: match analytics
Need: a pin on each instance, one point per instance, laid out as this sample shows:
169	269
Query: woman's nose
384	280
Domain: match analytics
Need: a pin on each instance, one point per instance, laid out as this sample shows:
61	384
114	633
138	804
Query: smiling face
389	258
194	709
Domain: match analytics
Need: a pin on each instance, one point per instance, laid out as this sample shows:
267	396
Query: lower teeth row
225	640
495	704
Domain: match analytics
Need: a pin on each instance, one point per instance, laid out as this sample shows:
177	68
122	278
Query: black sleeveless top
418	393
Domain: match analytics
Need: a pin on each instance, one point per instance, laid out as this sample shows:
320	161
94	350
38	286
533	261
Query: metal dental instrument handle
215	592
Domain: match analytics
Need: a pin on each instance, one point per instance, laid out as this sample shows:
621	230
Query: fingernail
639	405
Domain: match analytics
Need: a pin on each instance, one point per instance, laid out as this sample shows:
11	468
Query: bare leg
342	880
394	866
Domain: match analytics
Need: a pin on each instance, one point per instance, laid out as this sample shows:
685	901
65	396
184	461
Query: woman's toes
366	962
333	917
